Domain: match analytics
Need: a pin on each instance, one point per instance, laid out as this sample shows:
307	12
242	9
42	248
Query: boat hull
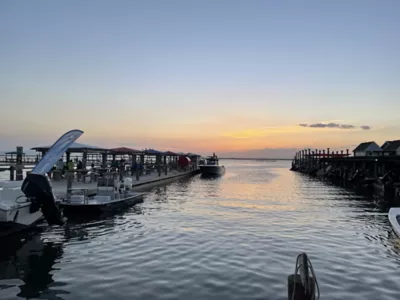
15	211
212	170
18	219
98	207
394	219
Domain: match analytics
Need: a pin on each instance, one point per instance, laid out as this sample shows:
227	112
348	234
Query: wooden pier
146	168
374	172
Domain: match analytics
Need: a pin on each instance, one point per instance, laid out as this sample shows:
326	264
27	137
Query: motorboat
24	205
110	193
394	219
303	284
211	166
16	211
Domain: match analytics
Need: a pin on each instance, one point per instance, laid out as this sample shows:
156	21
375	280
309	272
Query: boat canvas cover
56	151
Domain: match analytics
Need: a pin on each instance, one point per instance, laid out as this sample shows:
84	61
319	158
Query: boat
303	284
211	166
394	219
24	205
15	209
110	194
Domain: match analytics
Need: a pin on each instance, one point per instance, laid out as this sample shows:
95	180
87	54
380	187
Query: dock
144	183
368	169
147	168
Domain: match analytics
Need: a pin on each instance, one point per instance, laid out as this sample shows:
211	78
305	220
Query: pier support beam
84	159
141	163
19	168
104	160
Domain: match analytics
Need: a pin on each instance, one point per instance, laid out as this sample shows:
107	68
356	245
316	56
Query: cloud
334	125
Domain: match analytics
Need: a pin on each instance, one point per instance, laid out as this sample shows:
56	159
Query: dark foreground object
302	285
38	189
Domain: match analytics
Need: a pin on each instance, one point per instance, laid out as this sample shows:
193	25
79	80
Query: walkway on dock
60	186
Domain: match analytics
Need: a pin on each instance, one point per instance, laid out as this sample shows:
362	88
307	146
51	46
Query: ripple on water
236	237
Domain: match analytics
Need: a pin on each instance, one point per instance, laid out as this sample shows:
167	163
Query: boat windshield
212	161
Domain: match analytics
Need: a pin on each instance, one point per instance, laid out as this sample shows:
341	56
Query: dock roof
12	153
153	152
75	147
170	153
124	150
391	145
363	146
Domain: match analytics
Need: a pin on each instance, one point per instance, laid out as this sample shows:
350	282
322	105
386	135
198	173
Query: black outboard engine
303	285
38	189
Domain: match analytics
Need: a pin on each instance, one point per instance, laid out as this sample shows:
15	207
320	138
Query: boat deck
104	198
60	186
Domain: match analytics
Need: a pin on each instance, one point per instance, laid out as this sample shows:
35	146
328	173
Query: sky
200	76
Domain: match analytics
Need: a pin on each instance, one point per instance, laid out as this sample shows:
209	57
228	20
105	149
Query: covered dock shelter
89	152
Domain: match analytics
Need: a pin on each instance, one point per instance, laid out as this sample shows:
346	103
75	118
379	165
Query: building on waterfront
367	149
391	147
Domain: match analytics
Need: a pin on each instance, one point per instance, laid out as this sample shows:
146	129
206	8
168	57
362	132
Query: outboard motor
38	189
303	285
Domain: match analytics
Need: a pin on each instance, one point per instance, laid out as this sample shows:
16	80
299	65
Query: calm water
236	237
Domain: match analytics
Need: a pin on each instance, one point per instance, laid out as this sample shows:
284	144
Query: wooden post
158	164
84	159
104	160
347	152
165	165
327	153
19	168
375	175
12	173
141	164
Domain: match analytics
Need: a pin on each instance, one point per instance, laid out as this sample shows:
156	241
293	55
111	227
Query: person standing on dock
134	167
71	165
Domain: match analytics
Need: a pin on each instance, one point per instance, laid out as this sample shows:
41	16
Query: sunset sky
200	76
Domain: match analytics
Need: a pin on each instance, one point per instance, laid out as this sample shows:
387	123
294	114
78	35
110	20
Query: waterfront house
391	147
367	149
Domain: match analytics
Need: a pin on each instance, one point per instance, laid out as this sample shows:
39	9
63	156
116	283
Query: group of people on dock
69	166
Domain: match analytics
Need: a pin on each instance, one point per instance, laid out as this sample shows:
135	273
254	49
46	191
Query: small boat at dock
394	219
110	194
211	166
23	206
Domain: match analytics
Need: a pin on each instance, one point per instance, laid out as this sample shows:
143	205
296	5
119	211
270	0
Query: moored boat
110	194
211	166
22	206
394	219
16	211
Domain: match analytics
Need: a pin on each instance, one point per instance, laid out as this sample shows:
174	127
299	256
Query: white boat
24	205
394	219
212	167
16	211
110	193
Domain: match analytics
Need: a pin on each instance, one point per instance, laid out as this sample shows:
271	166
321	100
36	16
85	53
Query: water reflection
32	262
233	237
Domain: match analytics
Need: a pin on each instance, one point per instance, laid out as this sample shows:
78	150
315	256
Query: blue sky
194	74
